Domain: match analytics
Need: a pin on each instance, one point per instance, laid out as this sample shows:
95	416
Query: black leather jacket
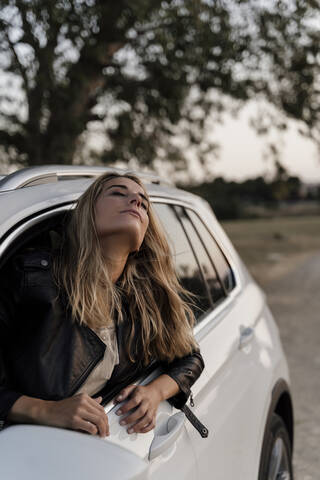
44	354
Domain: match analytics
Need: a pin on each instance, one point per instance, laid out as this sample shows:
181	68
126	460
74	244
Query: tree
285	187
151	74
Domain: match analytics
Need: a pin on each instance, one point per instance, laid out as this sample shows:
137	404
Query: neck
115	257
115	267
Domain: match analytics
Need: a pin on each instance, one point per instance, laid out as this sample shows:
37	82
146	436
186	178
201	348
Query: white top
103	371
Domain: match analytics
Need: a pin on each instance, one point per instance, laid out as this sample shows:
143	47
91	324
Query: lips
134	212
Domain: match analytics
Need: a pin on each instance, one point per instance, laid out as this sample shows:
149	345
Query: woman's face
121	213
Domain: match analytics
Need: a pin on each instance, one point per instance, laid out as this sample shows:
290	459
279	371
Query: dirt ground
295	302
284	256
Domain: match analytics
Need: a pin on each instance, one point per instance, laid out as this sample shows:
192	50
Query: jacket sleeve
8	291
185	371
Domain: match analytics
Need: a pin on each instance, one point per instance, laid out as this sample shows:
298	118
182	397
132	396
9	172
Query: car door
227	397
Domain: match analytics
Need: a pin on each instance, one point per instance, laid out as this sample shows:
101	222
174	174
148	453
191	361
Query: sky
241	154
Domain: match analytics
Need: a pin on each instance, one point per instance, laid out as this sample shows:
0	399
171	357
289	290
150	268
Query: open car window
43	232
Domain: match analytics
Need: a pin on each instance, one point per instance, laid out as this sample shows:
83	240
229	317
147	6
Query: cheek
106	205
102	214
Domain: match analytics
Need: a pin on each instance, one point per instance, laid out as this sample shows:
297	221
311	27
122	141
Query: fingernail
119	397
130	430
122	422
118	412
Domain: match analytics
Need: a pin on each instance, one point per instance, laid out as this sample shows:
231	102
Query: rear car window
210	274
187	267
220	262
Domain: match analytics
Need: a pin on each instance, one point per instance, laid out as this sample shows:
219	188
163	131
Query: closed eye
118	193
115	192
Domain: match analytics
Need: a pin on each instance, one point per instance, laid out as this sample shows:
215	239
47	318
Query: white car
243	396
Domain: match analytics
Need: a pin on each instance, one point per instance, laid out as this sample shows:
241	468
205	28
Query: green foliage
146	71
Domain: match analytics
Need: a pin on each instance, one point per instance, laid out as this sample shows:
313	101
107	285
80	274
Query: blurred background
222	96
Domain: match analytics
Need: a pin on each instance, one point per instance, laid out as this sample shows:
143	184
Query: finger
135	416
86	426
100	416
125	392
94	404
145	423
149	427
97	399
101	422
83	400
134	402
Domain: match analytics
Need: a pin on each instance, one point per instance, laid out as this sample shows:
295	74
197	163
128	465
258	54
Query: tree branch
28	34
22	70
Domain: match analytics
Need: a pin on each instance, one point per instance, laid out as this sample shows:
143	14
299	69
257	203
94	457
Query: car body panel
228	403
38	452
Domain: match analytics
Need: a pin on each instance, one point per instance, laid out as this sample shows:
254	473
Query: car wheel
276	455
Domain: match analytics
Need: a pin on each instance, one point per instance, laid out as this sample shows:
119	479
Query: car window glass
187	268
210	274
220	262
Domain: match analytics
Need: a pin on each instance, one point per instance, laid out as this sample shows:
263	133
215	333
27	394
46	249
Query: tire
276	455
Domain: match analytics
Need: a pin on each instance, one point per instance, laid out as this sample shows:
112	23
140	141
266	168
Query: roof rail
27	177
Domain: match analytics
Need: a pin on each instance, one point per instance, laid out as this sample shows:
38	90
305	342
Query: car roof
22	202
44	174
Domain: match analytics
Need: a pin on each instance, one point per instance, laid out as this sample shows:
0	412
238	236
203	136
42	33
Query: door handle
246	336
167	436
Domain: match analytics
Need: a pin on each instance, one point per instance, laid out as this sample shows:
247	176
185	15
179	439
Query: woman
78	324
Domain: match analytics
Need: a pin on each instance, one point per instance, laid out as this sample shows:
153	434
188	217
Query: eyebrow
126	188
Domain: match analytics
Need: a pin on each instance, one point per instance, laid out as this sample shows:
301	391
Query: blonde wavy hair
158	307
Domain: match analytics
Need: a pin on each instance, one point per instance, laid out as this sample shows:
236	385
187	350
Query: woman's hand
145	401
79	412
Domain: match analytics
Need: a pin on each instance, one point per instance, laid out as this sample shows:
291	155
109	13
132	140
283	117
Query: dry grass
271	247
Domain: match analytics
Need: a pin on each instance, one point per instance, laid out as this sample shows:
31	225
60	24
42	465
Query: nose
135	199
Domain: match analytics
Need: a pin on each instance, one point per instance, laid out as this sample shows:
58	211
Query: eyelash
123	195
